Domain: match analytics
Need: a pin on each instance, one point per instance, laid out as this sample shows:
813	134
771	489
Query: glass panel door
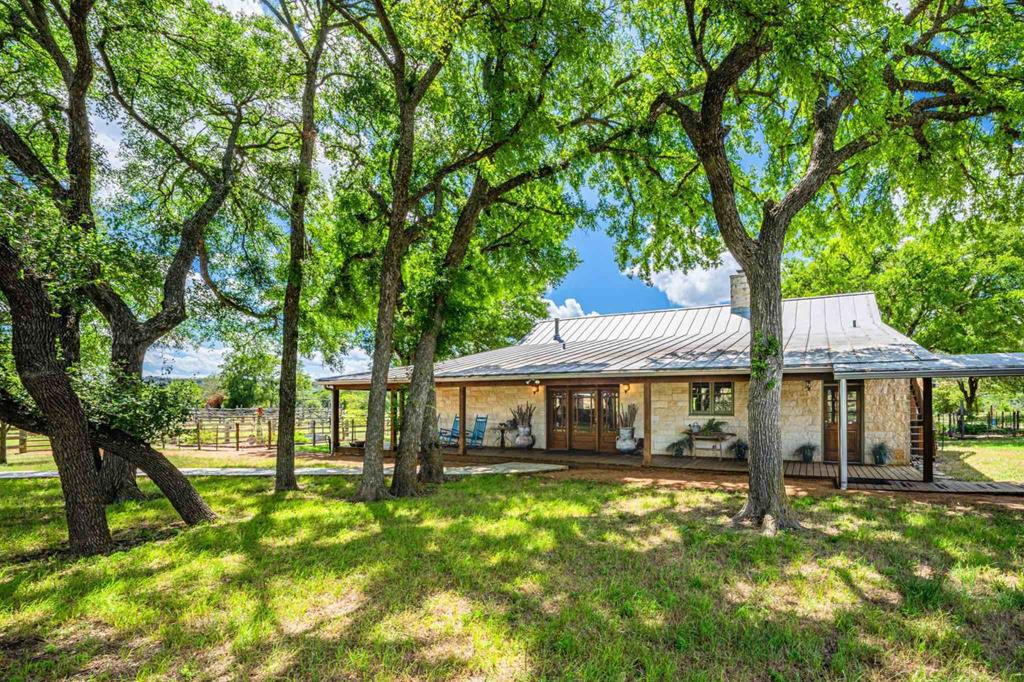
558	428
583	421
854	406
609	419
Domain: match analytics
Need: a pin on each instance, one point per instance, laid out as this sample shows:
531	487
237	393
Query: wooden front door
583	419
854	410
608	419
558	419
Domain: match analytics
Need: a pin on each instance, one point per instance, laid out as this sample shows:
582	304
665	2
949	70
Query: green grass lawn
207	457
512	578
983	460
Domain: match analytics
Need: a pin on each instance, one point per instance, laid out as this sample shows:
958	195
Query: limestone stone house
683	366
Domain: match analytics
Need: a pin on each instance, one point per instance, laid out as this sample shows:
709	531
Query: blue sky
597	284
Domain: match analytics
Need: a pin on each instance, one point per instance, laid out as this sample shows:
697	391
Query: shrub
739	449
712	426
806	452
881	453
680	447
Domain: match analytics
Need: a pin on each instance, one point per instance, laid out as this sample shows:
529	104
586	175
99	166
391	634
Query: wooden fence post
238	434
270	434
22	441
4	428
199	434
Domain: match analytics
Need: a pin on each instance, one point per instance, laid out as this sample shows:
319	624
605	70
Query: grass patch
512	578
984	460
306	456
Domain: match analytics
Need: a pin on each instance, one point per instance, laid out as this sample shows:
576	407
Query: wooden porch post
843	436
335	418
648	430
462	420
394	421
928	437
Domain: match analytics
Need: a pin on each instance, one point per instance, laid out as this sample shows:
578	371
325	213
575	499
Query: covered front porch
885	478
793	469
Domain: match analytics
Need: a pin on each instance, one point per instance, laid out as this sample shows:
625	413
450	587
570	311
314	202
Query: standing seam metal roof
820	333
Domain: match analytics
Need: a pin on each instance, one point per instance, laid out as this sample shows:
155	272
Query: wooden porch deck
828	470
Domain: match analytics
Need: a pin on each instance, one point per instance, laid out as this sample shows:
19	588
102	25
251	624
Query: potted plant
881	454
680	447
712	426
806	452
739	449
626	441
522	416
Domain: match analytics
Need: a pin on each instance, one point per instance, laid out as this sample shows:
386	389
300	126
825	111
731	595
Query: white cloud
357	360
570	308
183	363
699	286
190	363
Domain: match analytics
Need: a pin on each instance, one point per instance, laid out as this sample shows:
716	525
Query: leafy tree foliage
951	278
762	118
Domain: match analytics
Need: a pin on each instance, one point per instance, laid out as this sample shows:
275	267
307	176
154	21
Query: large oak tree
191	102
769	111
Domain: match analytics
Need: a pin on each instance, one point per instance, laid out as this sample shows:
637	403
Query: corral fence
991	423
251	427
15	440
228	429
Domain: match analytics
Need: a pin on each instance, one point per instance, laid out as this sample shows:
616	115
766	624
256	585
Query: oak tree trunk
39	336
117	476
182	495
371	483
171	482
117	479
969	391
767	503
403	483
431	455
4	429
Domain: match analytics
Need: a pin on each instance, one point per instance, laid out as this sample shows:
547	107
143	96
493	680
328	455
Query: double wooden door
854	416
583	418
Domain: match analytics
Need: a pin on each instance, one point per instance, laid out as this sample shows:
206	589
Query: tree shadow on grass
530	578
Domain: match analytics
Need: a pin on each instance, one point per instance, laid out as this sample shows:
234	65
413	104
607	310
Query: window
711	397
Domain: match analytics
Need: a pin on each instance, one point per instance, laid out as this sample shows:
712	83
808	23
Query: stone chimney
739	295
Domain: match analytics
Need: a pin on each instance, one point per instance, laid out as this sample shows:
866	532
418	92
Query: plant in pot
712	426
680	447
626	441
881	454
522	416
739	449
806	452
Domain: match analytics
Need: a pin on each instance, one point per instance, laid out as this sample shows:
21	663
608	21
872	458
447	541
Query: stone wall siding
496	402
801	414
886	413
887	418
